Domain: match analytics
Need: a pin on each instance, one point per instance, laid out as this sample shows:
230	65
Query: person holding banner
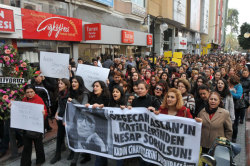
32	97
78	94
100	97
216	122
173	105
144	99
63	88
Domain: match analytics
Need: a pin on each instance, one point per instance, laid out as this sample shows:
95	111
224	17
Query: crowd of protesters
206	88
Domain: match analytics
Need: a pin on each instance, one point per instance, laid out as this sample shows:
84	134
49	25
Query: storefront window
47	6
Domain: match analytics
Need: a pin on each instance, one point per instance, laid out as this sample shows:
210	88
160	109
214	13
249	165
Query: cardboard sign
27	116
177	55
54	65
178	61
93	31
168	54
127	37
45	26
90	74
7	20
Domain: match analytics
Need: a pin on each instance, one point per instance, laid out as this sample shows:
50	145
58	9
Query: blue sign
106	2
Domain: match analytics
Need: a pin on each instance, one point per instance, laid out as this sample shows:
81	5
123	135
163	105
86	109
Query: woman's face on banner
85	125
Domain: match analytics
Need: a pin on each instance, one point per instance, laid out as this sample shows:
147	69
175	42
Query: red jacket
180	113
37	100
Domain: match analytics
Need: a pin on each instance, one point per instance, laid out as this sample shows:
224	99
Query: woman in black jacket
63	87
78	95
144	99
100	97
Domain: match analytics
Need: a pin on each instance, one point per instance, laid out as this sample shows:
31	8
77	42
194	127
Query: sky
243	7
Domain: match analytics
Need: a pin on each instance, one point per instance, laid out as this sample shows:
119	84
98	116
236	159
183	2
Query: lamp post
152	23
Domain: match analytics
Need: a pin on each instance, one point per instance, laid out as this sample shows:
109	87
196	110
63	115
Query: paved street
50	151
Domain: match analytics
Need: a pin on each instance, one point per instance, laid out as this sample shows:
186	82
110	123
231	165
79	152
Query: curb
248	137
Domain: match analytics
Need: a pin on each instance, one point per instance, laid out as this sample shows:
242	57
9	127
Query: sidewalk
248	137
48	137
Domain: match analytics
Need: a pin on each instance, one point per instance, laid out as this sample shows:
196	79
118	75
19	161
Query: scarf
210	111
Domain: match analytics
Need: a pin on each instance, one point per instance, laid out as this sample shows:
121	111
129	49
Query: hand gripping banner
120	134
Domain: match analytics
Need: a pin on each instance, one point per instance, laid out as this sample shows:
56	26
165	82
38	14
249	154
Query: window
47	6
141	3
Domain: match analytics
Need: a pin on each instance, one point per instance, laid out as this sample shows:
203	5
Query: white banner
120	134
90	74
27	116
54	65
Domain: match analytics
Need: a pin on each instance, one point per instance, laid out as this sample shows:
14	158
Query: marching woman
78	94
100	97
63	87
237	93
216	122
37	138
223	89
188	99
145	100
118	100
173	105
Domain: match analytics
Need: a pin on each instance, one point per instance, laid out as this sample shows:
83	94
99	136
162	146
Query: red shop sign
93	31
45	26
149	39
127	37
183	43
7	20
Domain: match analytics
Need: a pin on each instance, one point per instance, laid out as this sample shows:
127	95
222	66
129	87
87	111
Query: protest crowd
212	89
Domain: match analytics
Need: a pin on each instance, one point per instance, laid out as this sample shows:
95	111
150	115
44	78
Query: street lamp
163	27
246	35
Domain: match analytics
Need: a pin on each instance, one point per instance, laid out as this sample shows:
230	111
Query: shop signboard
180	43
93	31
149	39
45	26
106	2
127	37
7	20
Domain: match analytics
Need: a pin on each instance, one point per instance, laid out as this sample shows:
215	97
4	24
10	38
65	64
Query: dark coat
147	101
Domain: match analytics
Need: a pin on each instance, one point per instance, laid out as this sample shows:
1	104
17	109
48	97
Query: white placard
90	74
54	65
27	116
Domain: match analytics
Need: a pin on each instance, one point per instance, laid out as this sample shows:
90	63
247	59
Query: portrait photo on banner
87	129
